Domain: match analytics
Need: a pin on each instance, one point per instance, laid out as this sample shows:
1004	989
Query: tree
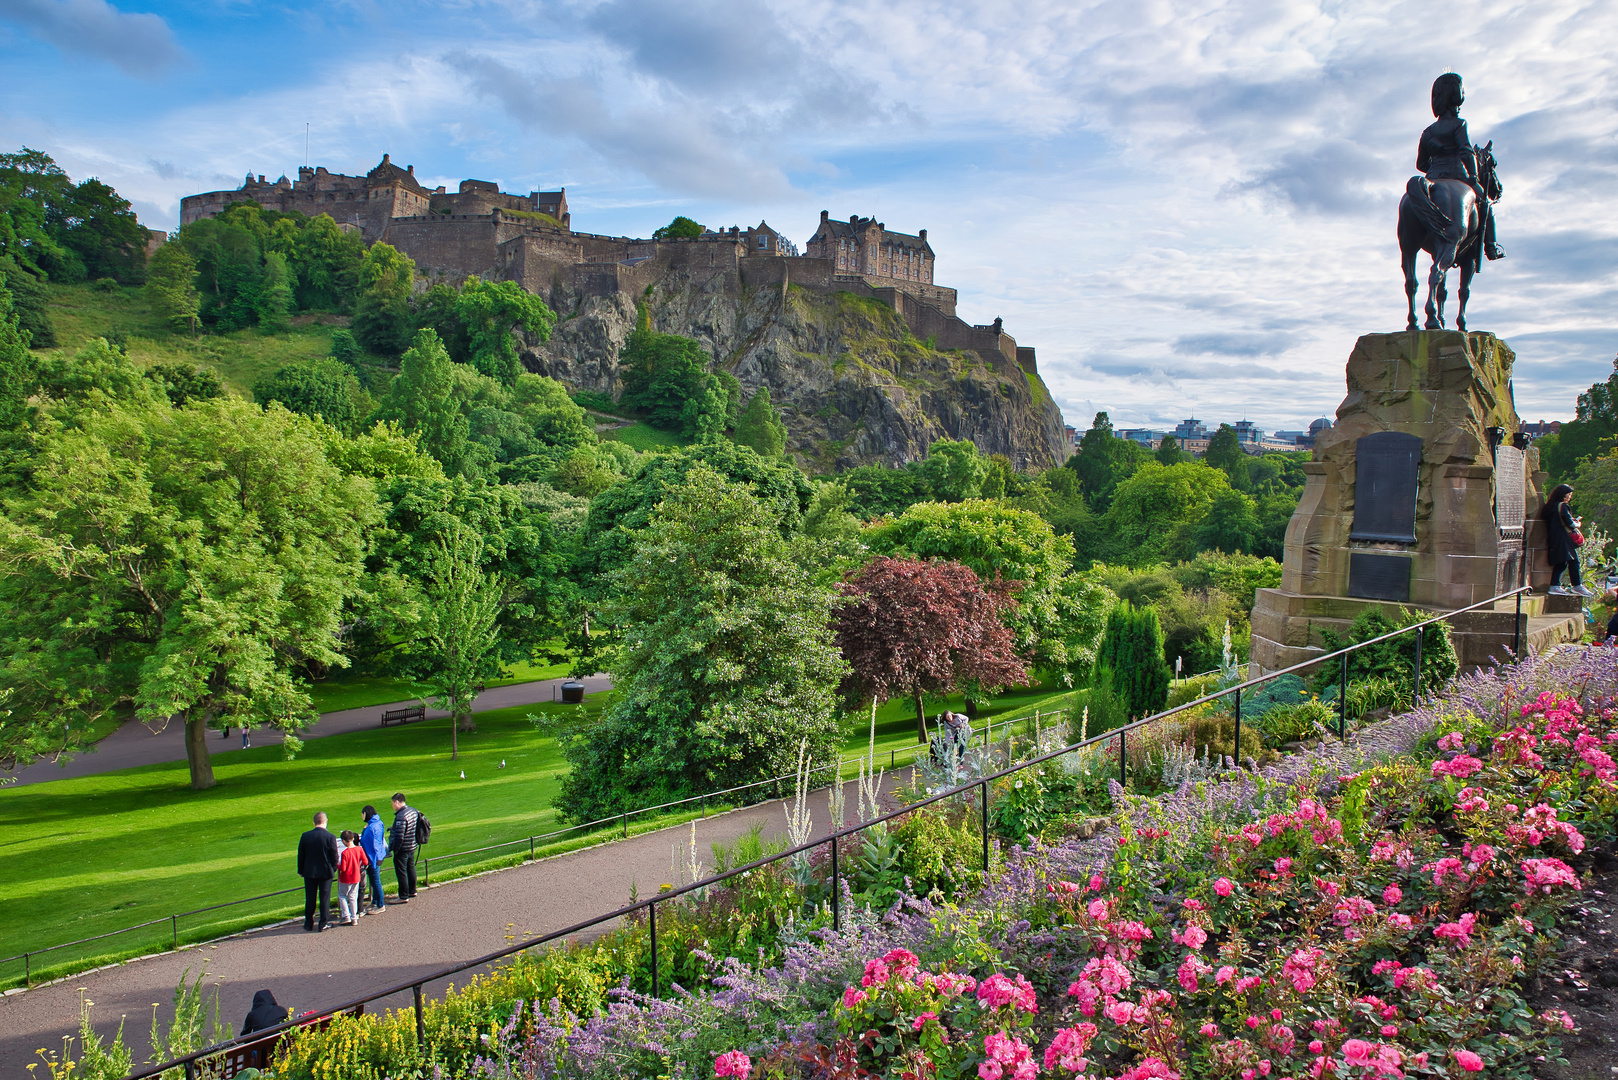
171	286
184	382
30	303
1169	452
423	400
1597	485
760	427
326	261
133	576
456	651
660	374
320	388
955	470
18	370
726	665
681	228
1056	620
382	312
705	415
1225	453
1230	525
1132	650
491	311
917	627
274	296
1149	508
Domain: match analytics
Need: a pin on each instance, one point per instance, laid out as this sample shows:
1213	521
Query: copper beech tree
916	627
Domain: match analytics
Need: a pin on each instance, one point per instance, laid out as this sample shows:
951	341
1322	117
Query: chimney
823	215
411	169
924	236
384	159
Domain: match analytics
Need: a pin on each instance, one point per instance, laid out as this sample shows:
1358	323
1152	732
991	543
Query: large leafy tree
424	402
1225	453
18	370
171	286
491	312
189	562
956	471
914	627
326	260
726	664
50	225
1057	618
382	312
661	373
1150	508
324	388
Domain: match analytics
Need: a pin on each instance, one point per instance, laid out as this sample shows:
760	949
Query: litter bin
572	692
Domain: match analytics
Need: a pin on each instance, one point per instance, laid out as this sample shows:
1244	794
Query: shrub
1098	709
106	284
1394	659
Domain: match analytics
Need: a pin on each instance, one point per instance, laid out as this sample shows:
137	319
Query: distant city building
1191	429
1248	433
1072	439
1145	436
1541	428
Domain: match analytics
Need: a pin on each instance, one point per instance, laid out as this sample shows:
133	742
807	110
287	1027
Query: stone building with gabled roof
865	248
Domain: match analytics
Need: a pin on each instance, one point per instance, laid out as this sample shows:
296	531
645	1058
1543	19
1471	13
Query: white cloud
139	44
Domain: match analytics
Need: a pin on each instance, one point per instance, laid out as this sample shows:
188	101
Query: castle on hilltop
529	239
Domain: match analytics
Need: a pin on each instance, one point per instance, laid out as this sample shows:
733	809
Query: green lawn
82	312
144	846
643	437
346	691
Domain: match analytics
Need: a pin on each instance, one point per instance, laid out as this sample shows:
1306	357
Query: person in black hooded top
265	1013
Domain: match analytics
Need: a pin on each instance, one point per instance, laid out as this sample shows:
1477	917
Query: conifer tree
1132	650
1169	452
382	313
427	407
760	427
1225	452
274	294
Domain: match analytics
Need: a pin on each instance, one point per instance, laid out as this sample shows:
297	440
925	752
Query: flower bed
1328	917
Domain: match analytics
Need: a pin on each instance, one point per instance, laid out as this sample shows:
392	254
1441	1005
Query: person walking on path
374	839
350	869
402	842
1560	527
317	865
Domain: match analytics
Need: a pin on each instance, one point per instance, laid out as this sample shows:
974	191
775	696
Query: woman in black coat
1559	527
266	1013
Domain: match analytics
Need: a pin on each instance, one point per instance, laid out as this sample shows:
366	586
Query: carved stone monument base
1420	496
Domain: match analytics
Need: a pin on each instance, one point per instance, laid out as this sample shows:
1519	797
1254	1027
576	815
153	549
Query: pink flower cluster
997	990
1516	747
900	963
1459	931
1067	1049
1007	1056
1470	801
1461	767
1150	1069
733	1063
1300	968
1539	824
1381	1058
1543	875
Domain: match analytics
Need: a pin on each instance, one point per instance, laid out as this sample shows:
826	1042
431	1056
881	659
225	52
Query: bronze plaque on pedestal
1379	577
1508	490
1386	465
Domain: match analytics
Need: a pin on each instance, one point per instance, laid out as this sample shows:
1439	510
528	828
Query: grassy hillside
83	312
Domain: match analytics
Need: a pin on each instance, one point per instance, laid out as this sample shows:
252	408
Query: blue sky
1188	208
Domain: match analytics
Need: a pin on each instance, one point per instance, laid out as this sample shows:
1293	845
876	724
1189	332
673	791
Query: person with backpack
410	831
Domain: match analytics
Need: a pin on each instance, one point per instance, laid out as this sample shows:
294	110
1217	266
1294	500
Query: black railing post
190	1069
421	1021
836	891
651	916
1342	701
1238	754
424	862
705	807
174	920
626	825
530	849
983	797
1419	635
1123	758
1516	628
27	971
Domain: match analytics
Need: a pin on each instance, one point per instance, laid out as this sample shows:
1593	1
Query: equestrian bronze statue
1448	211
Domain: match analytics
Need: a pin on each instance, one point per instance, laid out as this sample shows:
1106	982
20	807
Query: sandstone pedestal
1413	502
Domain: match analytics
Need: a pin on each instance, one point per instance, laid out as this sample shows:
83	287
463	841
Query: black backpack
424	829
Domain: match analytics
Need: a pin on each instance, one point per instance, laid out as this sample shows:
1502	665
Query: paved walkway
136	744
444	925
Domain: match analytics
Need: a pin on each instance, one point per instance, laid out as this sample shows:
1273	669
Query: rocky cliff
853	383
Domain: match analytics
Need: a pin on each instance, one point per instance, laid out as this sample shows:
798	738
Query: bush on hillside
1132	647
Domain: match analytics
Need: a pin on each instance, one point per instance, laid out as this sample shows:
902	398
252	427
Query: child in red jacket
351	866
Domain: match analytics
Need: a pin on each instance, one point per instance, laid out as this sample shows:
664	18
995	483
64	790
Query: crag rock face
852	382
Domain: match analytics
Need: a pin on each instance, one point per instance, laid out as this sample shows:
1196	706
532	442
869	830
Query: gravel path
135	744
445	925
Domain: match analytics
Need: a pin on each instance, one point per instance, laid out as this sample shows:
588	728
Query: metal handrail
649	905
531	841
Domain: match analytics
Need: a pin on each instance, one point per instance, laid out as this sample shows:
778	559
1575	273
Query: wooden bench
405	715
260	1054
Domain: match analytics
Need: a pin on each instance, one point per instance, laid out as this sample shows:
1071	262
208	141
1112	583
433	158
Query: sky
1187	208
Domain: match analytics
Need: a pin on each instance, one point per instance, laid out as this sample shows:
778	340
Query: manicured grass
643	437
144	846
346	691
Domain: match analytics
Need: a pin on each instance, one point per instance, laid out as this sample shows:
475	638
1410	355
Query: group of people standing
354	861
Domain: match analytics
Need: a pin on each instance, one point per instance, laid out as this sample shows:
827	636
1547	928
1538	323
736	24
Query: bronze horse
1442	218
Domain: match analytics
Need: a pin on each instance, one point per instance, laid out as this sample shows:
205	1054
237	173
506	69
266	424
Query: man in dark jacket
402	841
317	865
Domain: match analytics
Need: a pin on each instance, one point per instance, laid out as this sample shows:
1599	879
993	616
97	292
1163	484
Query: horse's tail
1419	192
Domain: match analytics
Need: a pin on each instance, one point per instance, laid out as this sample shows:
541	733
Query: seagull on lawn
463	774
502	763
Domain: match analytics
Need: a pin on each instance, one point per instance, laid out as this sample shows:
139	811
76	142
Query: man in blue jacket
317	865
374	839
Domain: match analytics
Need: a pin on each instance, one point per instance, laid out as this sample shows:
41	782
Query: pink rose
733	1063
1224	886
1357	1052
921	1021
1210	1030
1468	1061
1392	895
852	997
